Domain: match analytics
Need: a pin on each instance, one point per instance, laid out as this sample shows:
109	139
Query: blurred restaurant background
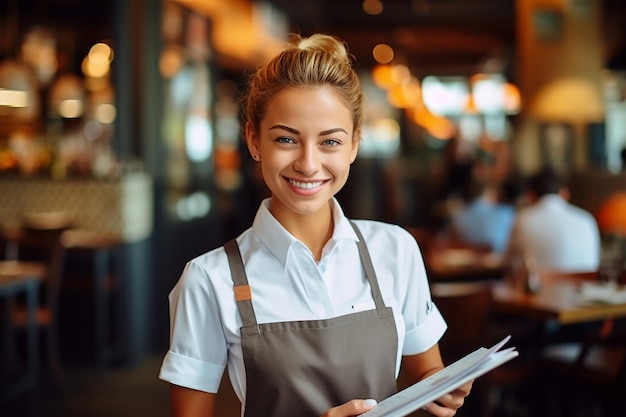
120	129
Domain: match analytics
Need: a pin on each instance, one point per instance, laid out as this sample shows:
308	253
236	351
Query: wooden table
463	264
17	277
559	299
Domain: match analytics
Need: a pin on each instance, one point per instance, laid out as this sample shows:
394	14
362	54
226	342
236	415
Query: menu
446	380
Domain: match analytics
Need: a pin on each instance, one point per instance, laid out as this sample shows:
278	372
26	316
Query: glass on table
611	261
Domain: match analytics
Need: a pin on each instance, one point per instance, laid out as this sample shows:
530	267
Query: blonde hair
318	60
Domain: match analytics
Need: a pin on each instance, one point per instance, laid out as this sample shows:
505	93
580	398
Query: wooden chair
585	376
39	240
466	307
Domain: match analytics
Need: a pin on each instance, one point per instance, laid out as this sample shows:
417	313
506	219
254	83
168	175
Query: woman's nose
308	161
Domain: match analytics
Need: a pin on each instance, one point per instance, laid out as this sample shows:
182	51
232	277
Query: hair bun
324	43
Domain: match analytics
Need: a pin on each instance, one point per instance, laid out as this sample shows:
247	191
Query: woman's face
306	145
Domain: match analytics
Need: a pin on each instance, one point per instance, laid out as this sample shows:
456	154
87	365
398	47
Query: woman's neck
313	230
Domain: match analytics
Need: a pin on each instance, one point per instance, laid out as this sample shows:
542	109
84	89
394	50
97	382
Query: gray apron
303	368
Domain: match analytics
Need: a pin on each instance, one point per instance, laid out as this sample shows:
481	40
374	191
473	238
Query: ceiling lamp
39	49
67	97
18	88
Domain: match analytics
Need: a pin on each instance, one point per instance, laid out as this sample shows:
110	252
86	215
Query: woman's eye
284	139
331	142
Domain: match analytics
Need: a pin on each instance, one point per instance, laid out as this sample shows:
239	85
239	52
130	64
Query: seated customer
554	233
485	219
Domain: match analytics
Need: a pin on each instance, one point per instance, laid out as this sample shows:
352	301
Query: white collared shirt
557	235
287	284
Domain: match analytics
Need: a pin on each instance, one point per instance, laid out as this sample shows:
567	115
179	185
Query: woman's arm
418	367
186	402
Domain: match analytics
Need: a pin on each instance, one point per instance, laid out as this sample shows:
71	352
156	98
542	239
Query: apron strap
243	294
370	273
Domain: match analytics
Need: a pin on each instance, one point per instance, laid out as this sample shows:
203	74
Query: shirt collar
278	240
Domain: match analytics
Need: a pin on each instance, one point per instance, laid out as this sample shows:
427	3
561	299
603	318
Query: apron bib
303	368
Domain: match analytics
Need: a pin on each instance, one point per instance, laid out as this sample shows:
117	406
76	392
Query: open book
446	380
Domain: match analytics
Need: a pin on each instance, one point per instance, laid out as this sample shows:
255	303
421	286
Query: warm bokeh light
18	91
512	99
437	126
385	129
373	7
383	53
97	63
406	95
171	61
66	96
101	53
382	76
248	33
105	113
39	50
381	137
400	74
13	98
94	69
572	99
611	215
71	108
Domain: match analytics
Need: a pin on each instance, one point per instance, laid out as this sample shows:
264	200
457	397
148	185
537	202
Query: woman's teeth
306	185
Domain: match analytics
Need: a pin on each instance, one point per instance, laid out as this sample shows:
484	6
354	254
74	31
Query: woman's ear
252	140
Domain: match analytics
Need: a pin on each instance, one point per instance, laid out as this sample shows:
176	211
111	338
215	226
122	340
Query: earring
256	157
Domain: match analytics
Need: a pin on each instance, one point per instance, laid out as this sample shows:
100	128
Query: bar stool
99	248
19	279
39	240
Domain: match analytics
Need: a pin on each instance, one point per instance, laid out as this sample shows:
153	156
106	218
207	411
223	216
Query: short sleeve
198	350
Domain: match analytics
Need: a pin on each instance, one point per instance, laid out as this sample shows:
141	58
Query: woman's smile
306	185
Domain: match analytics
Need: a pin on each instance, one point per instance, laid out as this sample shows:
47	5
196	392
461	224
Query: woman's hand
351	408
418	367
447	405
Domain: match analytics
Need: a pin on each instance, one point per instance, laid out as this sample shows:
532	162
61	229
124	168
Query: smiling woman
306	302
306	146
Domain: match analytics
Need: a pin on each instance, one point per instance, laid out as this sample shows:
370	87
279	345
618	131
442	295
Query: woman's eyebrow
288	129
335	130
297	132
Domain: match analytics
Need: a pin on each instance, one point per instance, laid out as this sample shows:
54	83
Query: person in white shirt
555	234
312	314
